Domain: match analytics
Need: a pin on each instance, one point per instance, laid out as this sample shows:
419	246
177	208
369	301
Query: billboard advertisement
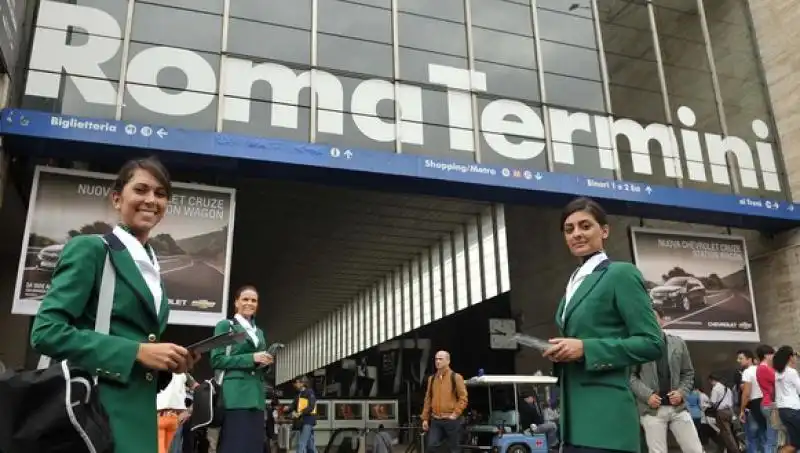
193	242
701	281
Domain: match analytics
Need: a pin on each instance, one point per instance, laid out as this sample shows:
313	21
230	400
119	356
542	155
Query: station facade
677	115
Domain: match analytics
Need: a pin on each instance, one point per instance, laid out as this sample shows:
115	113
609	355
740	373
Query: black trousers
242	432
444	433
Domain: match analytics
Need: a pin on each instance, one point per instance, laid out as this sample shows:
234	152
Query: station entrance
363	277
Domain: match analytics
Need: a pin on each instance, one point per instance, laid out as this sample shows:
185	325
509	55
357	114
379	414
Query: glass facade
664	92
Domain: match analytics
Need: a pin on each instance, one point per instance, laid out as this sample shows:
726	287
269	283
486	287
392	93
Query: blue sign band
648	198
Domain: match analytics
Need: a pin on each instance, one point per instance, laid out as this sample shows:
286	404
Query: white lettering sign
54	58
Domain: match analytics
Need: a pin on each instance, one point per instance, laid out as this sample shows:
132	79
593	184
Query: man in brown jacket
445	400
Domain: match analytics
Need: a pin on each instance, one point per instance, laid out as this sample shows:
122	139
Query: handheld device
217	341
531	342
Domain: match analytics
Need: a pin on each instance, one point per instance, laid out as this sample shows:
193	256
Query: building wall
535	93
775	26
567	63
540	266
539	261
13	328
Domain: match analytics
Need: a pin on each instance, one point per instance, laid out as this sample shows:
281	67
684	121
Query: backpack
452	385
56	408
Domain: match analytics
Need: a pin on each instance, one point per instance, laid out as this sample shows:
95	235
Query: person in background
750	414
243	382
445	400
696	403
270	425
765	376
693	404
787	395
531	419
720	411
662	387
607	326
304	412
130	360
172	410
383	441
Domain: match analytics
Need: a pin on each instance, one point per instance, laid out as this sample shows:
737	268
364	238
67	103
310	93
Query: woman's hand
262	358
564	350
165	357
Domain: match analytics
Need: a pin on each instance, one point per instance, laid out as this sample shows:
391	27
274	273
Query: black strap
116	245
452	382
716	406
114	242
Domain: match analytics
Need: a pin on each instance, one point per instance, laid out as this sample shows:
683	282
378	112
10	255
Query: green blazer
611	312
243	383
64	330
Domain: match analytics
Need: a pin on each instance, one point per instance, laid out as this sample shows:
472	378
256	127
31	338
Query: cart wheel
517	449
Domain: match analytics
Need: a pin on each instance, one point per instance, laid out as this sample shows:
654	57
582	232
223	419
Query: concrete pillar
776	273
13	328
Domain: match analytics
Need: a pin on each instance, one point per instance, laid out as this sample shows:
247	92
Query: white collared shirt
722	395
174	394
151	271
249	328
579	276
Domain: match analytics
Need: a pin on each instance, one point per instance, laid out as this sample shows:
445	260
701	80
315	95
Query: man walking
304	414
661	388
445	400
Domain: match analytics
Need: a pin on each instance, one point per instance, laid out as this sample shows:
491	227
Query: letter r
52	54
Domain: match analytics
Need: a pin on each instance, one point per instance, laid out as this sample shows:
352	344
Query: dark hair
584	204
303	379
781	358
748	354
659	311
764	350
715	377
151	165
238	293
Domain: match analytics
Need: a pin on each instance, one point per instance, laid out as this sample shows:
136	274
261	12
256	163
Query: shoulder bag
713	410
56	408
208	405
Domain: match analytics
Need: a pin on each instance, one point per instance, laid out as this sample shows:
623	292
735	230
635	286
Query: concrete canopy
311	249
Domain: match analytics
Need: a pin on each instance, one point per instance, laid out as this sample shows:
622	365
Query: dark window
249	38
295	13
157	25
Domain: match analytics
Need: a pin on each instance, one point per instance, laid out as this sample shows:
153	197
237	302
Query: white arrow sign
162	132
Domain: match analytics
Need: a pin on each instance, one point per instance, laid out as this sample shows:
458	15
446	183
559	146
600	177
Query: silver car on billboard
683	293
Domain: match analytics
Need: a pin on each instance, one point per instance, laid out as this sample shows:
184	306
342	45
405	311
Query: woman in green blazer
606	326
244	366
126	360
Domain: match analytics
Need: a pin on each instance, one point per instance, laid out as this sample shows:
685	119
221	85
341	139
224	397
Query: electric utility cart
493	424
